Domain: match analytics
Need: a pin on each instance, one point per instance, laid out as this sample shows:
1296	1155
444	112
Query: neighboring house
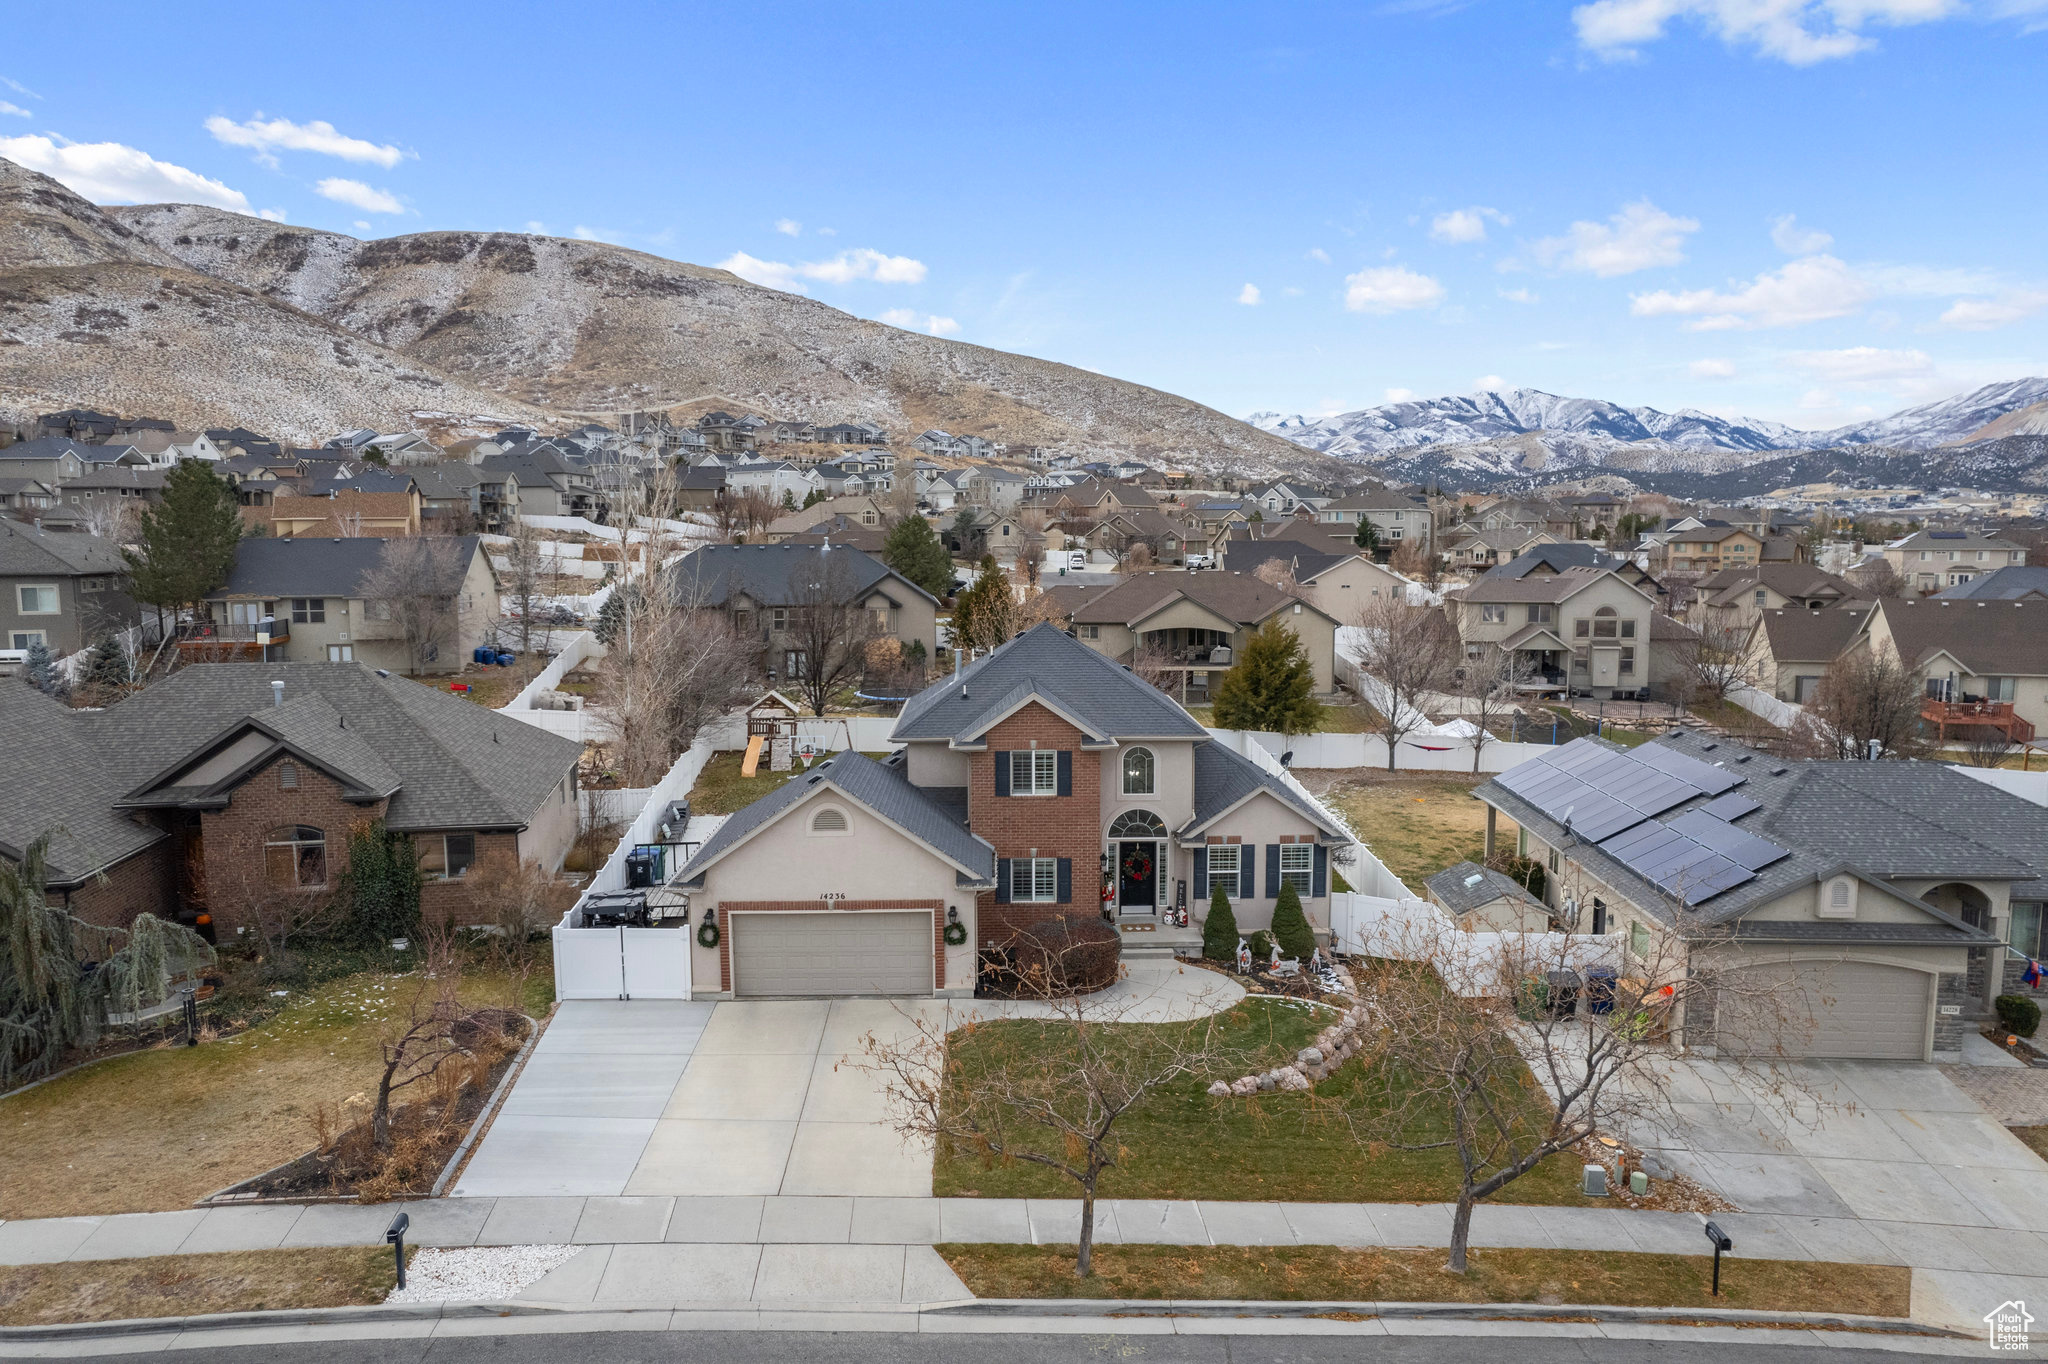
1729	599
778	480
56	460
1984	664
303	601
1711	548
1101	496
230	789
1188	627
765	589
1930	560
1791	648
1398	516
548	483
345	511
2015	582
1041	782
724	431
165	448
859	511
1002	489
25	499
1341	586
462	497
988	532
1480	899
1284	499
1878	894
1555	557
1586	629
839	530
112	486
1474	549
60	589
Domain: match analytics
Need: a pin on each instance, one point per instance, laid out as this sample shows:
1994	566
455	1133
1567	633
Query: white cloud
1465	224
1712	369
789	227
1637	238
356	194
362	224
1982	314
536	226
1318	255
6	108
843	268
18	88
108	172
1788	236
594	234
828	231
1863	365
1518	295
911	320
1400	395
273	215
1807	290
1800	32
1390	289
281	134
1249	295
1489	383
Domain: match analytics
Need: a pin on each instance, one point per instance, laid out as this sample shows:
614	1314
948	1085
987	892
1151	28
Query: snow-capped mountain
1524	431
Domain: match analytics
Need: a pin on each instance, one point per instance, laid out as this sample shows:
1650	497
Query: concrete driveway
745	1097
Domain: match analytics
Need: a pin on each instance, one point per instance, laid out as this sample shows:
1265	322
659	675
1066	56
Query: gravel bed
478	1273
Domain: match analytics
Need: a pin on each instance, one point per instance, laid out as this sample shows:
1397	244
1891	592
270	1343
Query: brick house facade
1063	826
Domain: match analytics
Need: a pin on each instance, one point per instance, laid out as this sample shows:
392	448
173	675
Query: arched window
1138	824
1605	623
295	857
1139	772
830	820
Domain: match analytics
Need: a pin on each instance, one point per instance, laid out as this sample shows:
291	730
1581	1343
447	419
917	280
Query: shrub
1068	956
383	884
1290	925
2018	1013
1219	930
1261	944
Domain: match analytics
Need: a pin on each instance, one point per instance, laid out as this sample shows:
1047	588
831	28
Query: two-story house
1040	782
1398	517
1930	561
60	589
1873	900
1712	548
768	591
1983	664
1586	628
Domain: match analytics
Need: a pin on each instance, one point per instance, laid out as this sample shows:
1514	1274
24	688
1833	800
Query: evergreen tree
107	665
788	499
814	497
1219	930
187	540
1290	925
915	552
985	614
611	617
1272	685
1368	536
42	668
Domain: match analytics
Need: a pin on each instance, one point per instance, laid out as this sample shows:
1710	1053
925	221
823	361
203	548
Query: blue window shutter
1002	773
1272	871
1066	870
1002	880
1248	871
1201	873
1066	776
1321	885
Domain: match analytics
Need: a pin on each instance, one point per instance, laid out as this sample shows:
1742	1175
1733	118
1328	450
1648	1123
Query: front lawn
160	1129
1326	1273
1418	824
1182	1143
191	1285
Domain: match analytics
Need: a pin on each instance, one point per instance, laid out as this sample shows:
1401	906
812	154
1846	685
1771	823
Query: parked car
1077	559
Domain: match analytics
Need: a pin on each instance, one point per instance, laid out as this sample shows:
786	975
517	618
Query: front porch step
1159	941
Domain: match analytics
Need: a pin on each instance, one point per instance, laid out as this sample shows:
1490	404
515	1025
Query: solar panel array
1612	799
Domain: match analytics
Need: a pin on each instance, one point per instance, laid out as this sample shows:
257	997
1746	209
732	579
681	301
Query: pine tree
788	499
1219	930
1290	925
107	665
986	613
1272	685
187	540
814	497
915	552
41	668
1367	537
611	617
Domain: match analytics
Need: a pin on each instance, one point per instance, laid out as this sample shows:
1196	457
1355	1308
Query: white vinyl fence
831	734
1783	714
1471	964
571	724
1417	753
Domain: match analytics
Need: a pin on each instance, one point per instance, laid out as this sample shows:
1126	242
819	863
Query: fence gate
622	963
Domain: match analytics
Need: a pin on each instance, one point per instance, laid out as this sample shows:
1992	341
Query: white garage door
850	952
1850	1010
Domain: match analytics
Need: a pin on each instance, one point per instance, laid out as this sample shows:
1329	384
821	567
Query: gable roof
1797	634
1990	638
1556	557
1237	597
26	551
1544	587
1730	586
2001	584
1104	699
317	566
776	575
1225	779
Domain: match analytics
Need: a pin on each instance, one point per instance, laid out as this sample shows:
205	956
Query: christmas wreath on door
1138	864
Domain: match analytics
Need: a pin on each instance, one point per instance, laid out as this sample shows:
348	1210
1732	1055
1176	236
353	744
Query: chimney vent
276	694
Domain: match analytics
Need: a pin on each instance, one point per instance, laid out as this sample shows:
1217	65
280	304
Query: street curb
997	1309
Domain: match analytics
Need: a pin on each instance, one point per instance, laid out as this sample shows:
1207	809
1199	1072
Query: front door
1137	875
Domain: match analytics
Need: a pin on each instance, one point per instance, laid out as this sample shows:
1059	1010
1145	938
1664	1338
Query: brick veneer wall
450	900
1057	826
725	910
234	836
143	884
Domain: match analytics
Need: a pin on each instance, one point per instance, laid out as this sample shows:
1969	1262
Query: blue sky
1807	210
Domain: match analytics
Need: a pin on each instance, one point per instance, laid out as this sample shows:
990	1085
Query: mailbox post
1720	1241
395	1234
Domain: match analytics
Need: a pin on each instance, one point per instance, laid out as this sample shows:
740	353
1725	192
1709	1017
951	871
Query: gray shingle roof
775	575
937	822
268	566
1466	886
54	779
1798	634
28	552
1103	696
1885	820
1223	778
2003	584
1990	638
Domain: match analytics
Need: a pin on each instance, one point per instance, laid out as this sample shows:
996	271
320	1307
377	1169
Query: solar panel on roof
1737	845
1732	806
1709	779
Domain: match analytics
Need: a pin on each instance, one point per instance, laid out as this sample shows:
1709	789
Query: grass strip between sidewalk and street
194	1285
1607	1278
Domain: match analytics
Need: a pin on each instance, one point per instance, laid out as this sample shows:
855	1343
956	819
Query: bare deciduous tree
1489	686
413	587
1411	650
1048	1091
1031	548
1278	573
1988	746
524	567
828	630
1715	661
1867	705
113	518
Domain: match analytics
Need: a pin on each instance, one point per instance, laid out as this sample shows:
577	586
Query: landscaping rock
1267	1084
1221	1089
1655	1168
1309	1056
1292	1079
1245	1087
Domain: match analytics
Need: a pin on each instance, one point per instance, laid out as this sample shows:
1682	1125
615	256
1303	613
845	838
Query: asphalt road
769	1347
